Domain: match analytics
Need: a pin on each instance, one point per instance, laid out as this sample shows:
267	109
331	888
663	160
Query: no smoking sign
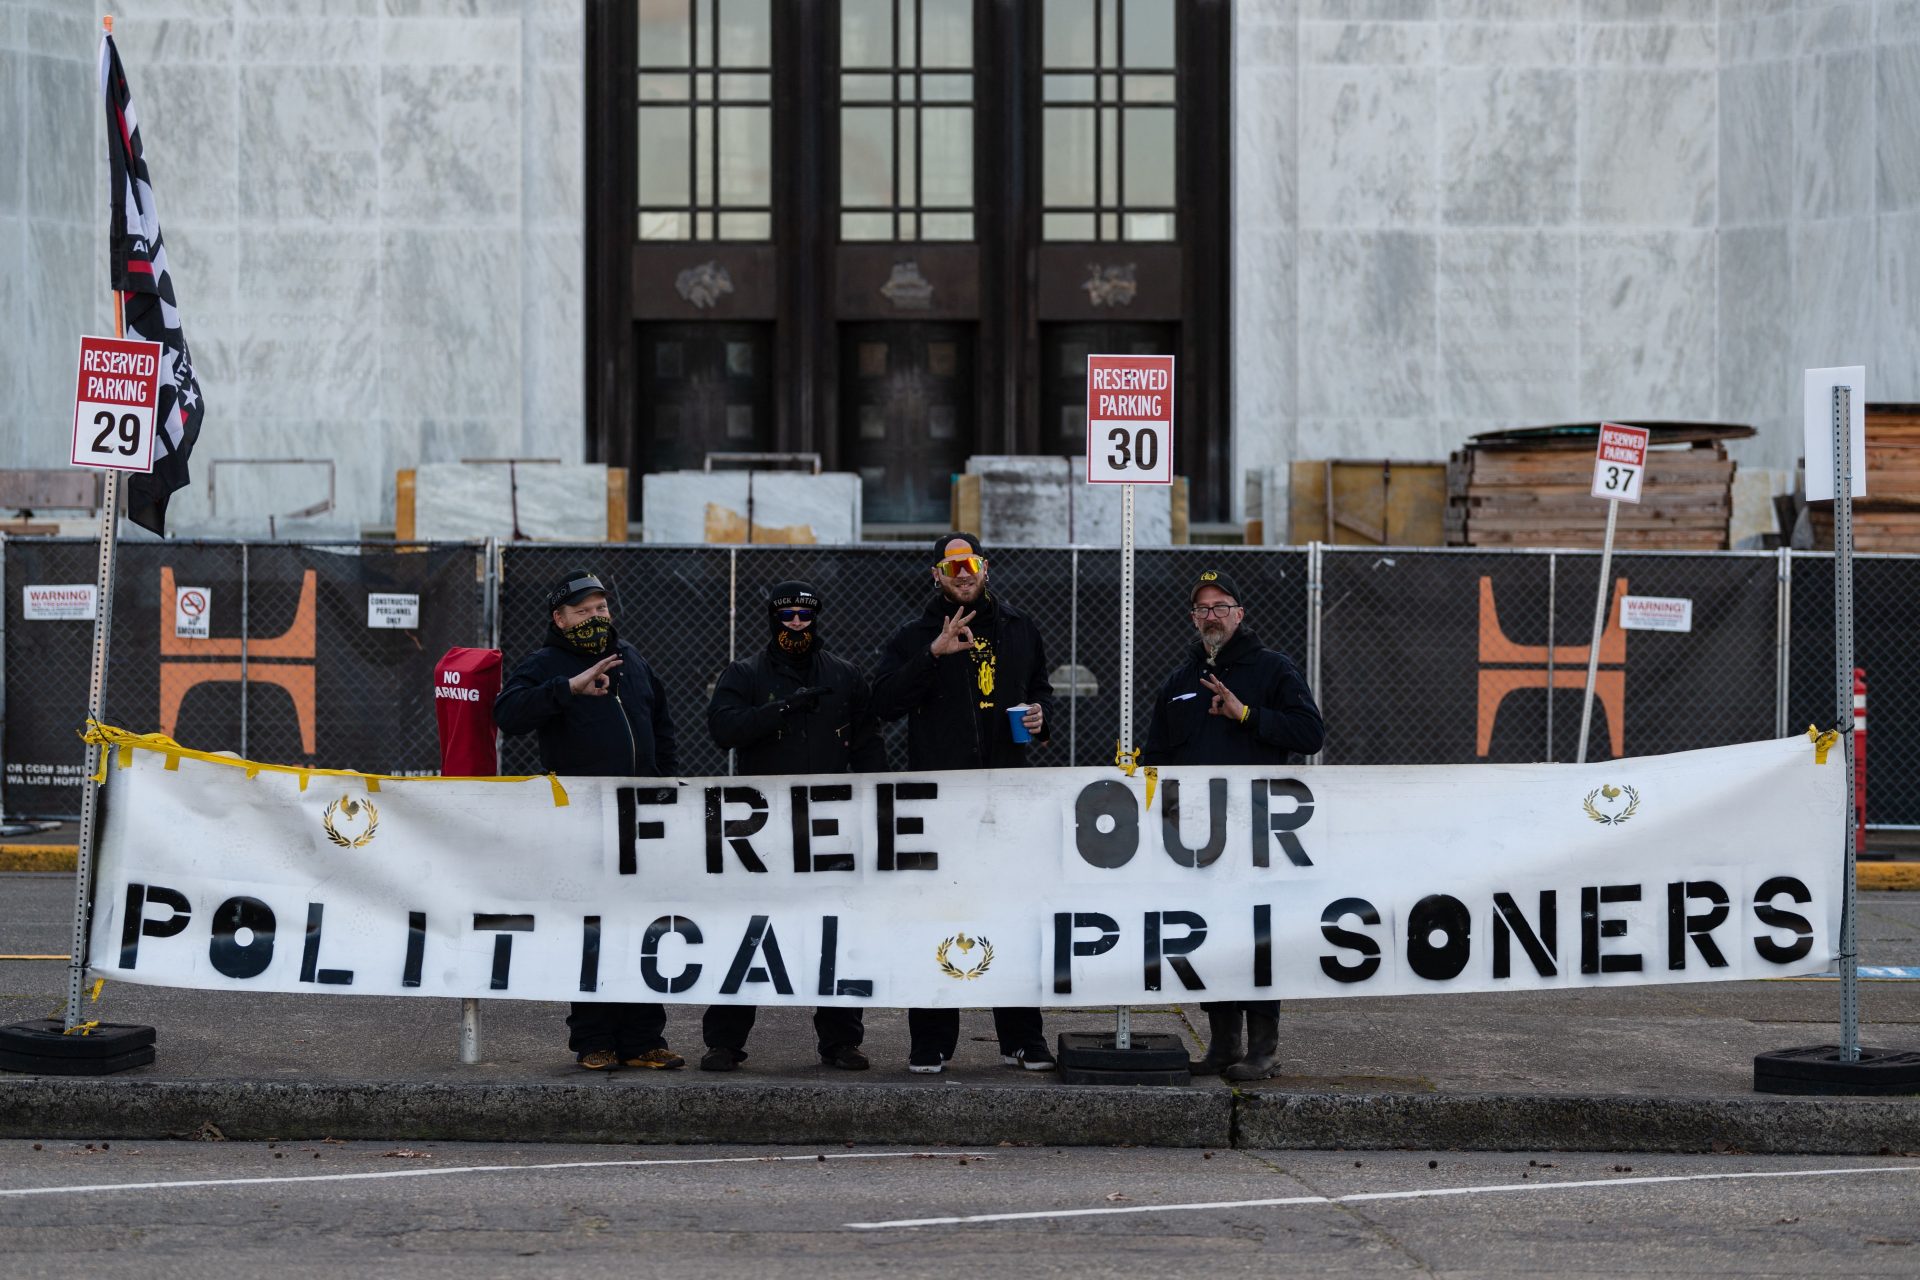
192	613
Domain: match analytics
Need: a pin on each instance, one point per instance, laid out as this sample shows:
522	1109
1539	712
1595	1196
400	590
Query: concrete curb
617	1111
1496	1122
920	1115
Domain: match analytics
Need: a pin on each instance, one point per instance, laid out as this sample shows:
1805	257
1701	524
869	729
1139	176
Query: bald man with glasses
1233	701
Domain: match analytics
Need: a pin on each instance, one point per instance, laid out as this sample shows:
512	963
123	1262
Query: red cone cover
464	687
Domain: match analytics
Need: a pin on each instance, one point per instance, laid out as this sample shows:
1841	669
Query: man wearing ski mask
600	711
792	708
1233	701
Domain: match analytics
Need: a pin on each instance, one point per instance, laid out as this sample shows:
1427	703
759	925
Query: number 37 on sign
1130	419
113	405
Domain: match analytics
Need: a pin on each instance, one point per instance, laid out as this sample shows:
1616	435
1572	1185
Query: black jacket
1282	716
623	734
836	736
952	723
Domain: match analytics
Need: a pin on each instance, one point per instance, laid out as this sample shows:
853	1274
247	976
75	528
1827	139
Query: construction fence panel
1886	590
289	669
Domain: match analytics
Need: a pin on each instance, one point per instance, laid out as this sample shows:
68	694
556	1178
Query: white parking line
1106	1211
475	1168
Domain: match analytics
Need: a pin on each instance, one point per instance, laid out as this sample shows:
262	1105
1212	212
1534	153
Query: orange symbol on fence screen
1506	667
285	660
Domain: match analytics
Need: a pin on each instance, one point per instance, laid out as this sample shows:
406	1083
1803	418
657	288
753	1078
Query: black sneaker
847	1057
721	1060
1034	1057
926	1061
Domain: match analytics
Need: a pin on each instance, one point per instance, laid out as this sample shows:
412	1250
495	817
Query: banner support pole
1843	719
97	712
1599	625
1123	1013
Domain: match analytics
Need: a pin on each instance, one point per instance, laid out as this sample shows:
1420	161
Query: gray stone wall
373	213
1457	215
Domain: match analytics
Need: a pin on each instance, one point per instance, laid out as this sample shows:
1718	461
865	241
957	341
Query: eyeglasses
1213	610
795	615
954	566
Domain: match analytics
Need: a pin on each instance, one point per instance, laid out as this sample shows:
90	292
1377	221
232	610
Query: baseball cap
951	545
1215	578
574	588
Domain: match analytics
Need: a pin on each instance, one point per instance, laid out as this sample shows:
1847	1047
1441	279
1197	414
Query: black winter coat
624	734
836	736
952	723
1282	718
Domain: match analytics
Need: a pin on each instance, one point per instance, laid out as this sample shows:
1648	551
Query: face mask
794	642
591	638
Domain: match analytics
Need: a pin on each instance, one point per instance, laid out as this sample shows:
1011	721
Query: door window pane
1149	33
665	33
1070	157
746	33
866	33
946	33
873	359
665	147
1067	39
1150	164
746	144
948	165
906	169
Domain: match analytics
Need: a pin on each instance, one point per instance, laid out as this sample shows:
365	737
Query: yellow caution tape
1127	760
124	743
1153	779
93	996
1823	742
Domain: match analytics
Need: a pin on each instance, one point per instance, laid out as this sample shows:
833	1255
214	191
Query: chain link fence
289	668
1417	656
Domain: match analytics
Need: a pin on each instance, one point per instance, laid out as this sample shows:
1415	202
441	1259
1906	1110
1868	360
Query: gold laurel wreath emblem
350	808
1612	793
966	945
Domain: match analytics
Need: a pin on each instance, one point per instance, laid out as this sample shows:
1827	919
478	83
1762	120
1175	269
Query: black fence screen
1417	656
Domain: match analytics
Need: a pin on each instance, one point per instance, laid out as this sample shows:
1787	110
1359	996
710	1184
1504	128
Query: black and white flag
138	263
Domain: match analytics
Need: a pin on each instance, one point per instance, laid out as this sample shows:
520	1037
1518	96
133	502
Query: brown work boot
655	1060
599	1060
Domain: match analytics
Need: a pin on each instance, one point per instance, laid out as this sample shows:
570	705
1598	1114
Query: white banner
1055	887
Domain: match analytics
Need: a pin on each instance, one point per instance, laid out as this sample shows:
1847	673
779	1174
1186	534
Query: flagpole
96	706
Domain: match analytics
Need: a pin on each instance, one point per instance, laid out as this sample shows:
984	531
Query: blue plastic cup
1014	715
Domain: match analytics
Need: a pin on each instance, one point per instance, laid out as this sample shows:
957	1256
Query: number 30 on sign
1130	419
1620	462
113	406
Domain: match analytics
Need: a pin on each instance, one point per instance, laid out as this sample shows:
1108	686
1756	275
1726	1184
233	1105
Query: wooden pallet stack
1532	488
1888	518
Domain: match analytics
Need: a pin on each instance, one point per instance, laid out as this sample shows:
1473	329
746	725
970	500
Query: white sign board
1655	613
192	612
1817	406
1620	462
72	602
969	888
114	403
1130	419
393	612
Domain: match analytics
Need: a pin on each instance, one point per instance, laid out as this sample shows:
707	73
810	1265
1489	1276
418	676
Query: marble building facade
1448	216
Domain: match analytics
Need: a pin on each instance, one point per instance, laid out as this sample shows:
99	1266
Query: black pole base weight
39	1048
1817	1069
1153	1058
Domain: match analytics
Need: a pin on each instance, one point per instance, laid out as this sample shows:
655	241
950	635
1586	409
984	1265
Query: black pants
1269	1007
940	1029
725	1026
627	1029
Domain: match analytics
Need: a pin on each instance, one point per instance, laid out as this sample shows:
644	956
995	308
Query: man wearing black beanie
792	708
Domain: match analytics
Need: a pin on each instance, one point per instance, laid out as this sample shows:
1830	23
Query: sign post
1619	468
1129	442
1834	408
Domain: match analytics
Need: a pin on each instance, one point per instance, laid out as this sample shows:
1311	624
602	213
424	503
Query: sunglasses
795	615
954	566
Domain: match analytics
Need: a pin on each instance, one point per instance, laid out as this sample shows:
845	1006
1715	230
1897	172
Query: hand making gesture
1224	702
594	682
954	636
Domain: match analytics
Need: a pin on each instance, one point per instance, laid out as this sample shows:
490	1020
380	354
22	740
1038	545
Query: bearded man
1233	701
955	672
600	711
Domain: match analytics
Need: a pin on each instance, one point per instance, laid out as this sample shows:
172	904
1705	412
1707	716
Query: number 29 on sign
114	404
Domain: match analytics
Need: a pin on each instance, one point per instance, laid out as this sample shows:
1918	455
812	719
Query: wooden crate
1888	518
1367	502
1528	497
